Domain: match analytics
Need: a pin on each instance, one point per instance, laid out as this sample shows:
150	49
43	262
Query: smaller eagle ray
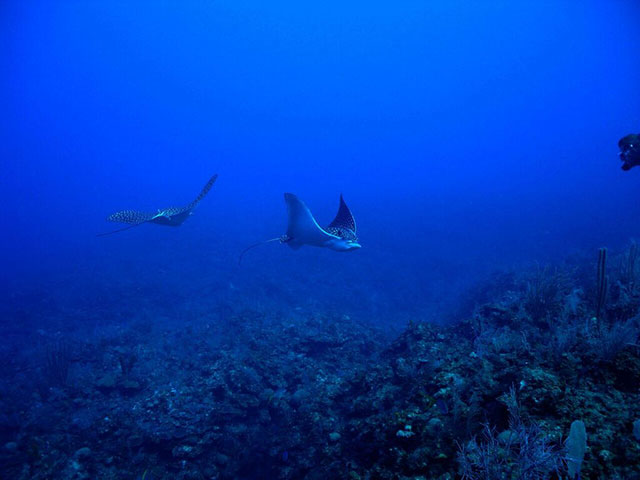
171	216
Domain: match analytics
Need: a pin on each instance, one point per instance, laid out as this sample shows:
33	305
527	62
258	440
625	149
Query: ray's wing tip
210	183
344	218
114	217
205	190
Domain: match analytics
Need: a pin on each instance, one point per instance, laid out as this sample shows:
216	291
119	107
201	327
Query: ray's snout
345	246
354	246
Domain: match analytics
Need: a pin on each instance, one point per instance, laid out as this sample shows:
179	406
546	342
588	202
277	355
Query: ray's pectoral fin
344	218
344	227
302	228
132	217
202	193
175	216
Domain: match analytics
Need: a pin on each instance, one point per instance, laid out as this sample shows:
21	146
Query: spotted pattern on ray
134	217
344	225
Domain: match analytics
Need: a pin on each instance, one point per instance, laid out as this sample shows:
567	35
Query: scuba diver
629	151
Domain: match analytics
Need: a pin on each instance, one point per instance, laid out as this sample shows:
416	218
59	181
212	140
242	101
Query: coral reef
261	394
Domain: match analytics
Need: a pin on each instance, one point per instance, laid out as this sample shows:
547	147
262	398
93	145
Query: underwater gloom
248	240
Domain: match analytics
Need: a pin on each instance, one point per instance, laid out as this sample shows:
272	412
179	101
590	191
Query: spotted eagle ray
303	229
171	216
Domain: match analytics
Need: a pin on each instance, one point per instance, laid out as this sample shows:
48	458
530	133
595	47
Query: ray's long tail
282	239
116	231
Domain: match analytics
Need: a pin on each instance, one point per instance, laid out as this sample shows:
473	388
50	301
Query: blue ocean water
466	139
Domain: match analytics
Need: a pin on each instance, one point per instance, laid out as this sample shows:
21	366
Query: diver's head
629	141
629	151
